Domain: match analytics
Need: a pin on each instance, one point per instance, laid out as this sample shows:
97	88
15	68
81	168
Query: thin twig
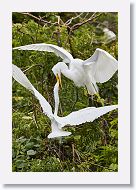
26	70
76	26
40	20
73	152
68	22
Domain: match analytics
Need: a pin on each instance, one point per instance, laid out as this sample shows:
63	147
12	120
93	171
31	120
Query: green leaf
31	152
80	105
21	139
77	137
114	167
29	145
27	117
18	98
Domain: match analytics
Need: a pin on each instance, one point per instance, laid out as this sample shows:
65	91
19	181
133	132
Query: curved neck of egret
56	98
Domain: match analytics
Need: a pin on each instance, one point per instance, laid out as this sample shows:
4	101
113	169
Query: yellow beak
59	80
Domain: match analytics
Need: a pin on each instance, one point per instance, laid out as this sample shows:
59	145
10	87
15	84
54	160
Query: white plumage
21	78
109	35
100	67
66	56
57	123
88	114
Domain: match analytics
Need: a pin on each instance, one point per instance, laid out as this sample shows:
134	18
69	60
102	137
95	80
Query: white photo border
123	174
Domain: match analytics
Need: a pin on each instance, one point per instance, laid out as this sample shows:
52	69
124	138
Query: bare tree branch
76	26
39	19
68	22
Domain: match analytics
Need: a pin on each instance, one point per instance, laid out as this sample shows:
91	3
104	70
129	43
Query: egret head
57	69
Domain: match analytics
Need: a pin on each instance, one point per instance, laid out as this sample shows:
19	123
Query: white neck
56	98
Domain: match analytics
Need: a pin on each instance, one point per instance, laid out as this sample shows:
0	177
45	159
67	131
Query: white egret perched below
109	35
99	68
57	123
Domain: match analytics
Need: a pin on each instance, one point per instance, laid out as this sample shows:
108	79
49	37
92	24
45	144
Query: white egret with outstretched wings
88	114
99	68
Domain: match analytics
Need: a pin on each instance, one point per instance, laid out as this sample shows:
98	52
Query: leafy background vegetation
92	147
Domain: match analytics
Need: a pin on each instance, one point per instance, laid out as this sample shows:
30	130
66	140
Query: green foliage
92	147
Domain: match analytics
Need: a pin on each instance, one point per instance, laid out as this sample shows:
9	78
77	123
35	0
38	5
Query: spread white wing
59	51
21	78
101	65
88	114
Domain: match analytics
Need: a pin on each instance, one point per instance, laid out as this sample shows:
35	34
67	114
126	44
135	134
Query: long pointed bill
59	80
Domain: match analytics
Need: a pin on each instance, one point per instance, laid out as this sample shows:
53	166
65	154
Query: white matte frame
123	174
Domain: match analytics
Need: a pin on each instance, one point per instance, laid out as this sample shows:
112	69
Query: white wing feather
85	115
102	65
21	78
59	51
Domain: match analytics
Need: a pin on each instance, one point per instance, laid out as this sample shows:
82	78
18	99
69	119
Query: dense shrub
92	147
